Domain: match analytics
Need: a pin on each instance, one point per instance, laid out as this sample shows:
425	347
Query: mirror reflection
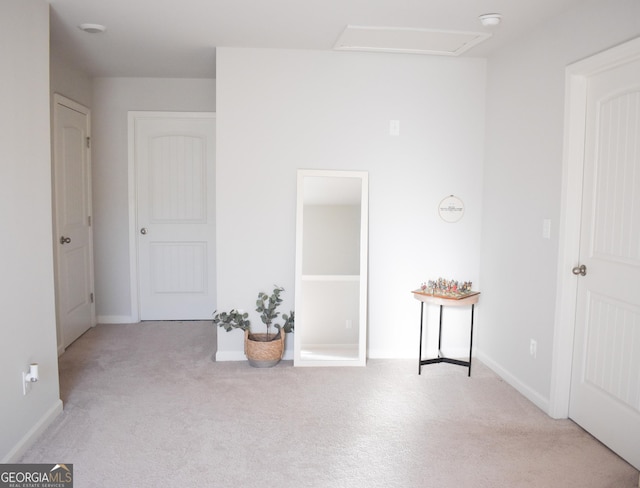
331	268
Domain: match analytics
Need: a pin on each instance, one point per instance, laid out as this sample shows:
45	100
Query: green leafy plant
235	319
266	305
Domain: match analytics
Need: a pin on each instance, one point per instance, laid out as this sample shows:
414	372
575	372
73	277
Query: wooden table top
449	301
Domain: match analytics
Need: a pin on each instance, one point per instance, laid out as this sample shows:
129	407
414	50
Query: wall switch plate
394	127
546	229
533	348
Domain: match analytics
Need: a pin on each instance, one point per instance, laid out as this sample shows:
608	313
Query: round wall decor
451	209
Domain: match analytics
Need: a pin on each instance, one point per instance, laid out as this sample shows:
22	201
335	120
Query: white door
174	159
73	240
605	386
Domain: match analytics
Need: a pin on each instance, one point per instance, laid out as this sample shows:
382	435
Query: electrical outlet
349	324
394	127
26	385
533	348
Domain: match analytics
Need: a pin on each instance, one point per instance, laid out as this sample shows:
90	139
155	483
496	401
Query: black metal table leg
441	358
420	353
471	339
440	334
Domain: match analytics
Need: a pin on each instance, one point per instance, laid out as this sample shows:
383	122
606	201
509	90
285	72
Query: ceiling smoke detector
93	28
490	20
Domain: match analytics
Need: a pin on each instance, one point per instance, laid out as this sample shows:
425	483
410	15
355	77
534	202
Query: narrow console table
468	299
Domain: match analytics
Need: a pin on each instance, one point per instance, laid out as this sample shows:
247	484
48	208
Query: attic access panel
408	40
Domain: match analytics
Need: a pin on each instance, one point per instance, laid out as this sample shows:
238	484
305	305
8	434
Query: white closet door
175	199
73	238
605	388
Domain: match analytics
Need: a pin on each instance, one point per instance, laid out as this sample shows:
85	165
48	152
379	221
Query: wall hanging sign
451	209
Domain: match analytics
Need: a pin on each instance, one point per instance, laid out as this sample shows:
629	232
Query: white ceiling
177	38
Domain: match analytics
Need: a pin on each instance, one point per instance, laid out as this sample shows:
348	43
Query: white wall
112	99
280	110
522	185
28	331
69	81
331	240
324	324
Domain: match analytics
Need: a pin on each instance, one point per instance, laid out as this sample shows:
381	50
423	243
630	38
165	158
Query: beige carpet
145	406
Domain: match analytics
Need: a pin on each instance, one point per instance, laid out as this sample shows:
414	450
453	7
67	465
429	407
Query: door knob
579	270
65	240
143	231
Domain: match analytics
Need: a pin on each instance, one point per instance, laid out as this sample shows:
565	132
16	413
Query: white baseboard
388	354
30	437
371	354
116	319
530	394
413	354
239	356
230	356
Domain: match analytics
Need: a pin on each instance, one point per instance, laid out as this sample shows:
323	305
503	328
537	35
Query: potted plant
263	350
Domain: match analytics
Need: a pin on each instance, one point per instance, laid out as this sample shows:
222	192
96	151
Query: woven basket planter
262	353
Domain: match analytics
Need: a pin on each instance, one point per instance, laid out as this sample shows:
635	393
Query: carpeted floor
146	406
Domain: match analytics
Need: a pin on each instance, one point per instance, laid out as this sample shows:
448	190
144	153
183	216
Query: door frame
576	83
132	117
57	100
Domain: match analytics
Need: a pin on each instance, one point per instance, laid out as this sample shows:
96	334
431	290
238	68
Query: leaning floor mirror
331	268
